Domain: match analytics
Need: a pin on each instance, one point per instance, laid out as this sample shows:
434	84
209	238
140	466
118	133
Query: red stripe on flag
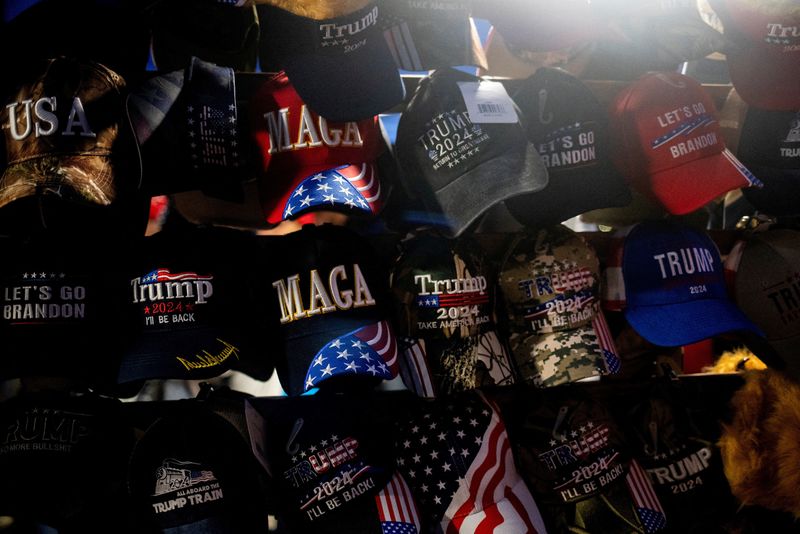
640	488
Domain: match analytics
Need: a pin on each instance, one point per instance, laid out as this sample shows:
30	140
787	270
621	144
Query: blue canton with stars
436	449
345	355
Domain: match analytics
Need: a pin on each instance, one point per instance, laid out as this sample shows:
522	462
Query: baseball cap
550	281
193	310
569	129
68	138
225	33
339	443
763	52
457	159
192	471
444	293
456	455
764	273
186	122
308	162
335	56
682	461
63	457
62	298
430	35
668	280
570	431
770	147
328	294
666	141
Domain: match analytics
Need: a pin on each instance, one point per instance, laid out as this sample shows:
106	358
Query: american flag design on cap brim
351	187
370	351
397	509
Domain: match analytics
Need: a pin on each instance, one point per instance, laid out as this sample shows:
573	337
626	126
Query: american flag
213	136
350	187
457	460
471	298
414	367
401	43
163	275
397	510
369	351
648	507
606	342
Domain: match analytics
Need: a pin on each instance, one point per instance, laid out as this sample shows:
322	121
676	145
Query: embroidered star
310	382
288	210
445	466
357	344
323	187
319	359
336	343
317	177
300	191
343	354
328	370
329	198
365	356
352	366
428	471
371	370
306	201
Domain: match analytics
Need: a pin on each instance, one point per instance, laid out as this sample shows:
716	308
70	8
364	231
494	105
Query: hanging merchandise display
399	267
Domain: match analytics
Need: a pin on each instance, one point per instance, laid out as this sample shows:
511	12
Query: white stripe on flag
641	490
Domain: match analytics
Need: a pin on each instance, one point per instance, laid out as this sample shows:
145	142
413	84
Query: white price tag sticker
488	102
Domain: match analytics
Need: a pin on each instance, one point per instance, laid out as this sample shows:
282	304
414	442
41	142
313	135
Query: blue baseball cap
674	286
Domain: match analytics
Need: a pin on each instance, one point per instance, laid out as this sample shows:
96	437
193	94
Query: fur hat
736	360
759	444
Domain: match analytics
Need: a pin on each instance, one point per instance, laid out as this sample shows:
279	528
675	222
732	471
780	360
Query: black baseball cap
193	311
456	165
63	456
770	147
327	455
569	128
328	293
336	58
62	300
192	471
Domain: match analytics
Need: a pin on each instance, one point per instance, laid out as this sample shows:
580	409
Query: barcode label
491	108
488	102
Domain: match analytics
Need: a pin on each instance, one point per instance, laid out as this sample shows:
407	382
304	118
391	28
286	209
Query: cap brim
570	355
193	354
765	79
361	85
780	193
84	179
672	325
686	188
354	189
465	199
301	349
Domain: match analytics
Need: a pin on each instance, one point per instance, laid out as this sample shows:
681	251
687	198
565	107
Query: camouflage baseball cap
67	137
550	282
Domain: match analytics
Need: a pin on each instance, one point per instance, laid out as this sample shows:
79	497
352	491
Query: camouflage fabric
550	283
61	128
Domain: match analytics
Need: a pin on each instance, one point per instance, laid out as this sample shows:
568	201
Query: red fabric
309	144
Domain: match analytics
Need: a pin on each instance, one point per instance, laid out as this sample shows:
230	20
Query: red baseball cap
666	141
302	152
764	56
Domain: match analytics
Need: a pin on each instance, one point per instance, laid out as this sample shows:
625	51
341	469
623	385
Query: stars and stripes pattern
606	342
348	187
401	43
164	275
397	510
648	507
213	136
369	351
752	181
458	462
471	298
683	129
414	367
